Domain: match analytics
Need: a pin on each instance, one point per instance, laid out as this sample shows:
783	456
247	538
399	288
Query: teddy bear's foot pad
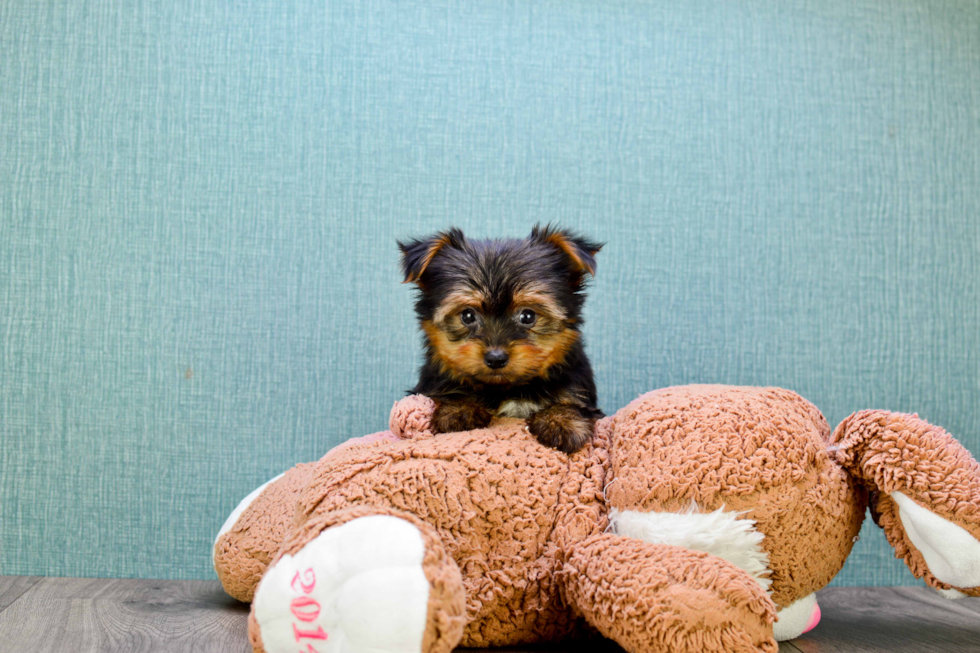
356	588
950	551
799	617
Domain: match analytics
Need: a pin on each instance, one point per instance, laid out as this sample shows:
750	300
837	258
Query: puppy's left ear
579	250
418	253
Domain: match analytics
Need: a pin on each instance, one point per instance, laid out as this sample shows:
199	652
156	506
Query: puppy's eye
527	317
467	317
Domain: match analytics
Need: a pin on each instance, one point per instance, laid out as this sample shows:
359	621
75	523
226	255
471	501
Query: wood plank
893	619
13	587
78	614
965	606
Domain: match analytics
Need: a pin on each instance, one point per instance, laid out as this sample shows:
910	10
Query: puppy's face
499	311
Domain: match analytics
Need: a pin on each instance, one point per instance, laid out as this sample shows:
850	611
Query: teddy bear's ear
418	253
579	250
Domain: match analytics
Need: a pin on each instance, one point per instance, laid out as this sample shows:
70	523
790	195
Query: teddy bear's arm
661	597
925	493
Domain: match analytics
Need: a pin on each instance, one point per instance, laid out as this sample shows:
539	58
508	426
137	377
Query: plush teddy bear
700	518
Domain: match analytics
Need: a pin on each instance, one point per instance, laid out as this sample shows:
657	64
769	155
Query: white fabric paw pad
797	618
356	588
952	554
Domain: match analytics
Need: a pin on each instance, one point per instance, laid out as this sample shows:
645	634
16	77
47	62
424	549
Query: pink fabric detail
814	618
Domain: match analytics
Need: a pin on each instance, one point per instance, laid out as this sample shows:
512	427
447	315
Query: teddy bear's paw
356	588
950	551
411	417
799	617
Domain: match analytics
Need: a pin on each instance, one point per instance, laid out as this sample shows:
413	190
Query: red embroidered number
305	608
309	634
307	586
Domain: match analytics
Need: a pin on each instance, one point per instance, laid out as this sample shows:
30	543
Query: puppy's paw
561	427
452	416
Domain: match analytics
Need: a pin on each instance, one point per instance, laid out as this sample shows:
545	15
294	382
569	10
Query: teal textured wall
199	203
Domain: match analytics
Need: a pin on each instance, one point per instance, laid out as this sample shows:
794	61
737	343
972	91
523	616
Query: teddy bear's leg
253	532
925	494
360	580
659	597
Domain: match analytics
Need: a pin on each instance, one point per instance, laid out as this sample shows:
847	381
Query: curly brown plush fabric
411	417
699	603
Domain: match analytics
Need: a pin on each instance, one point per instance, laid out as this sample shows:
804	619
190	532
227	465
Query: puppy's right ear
579	250
418	253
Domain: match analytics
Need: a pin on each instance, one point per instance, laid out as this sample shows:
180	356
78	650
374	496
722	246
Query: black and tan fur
501	322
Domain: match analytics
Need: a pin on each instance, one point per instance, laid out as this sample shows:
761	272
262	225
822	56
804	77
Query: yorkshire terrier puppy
501	323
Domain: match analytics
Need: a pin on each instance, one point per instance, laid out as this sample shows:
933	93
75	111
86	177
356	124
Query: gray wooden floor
81	614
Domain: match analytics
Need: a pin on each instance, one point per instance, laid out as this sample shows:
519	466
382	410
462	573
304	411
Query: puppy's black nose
496	358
